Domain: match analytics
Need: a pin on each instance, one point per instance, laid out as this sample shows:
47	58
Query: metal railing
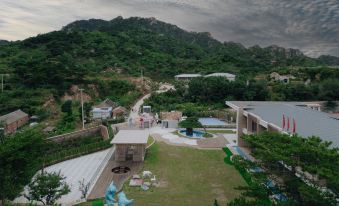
99	170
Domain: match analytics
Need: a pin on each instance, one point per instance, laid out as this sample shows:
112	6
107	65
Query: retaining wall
93	131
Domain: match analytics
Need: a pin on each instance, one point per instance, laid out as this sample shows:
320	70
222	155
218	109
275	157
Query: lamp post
82	109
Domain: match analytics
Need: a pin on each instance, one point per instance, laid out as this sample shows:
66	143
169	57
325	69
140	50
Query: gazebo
130	145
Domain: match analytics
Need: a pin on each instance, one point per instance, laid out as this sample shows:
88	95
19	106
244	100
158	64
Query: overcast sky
309	25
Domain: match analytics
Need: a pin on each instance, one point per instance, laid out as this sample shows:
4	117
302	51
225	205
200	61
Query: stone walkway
107	176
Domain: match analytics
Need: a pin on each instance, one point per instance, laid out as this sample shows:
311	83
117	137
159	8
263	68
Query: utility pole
2	82
142	78
82	109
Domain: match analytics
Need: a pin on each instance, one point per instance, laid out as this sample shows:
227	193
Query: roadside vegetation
22	155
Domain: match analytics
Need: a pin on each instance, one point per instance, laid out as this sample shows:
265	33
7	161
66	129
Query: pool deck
168	136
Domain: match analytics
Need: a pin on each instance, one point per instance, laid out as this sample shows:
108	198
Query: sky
309	25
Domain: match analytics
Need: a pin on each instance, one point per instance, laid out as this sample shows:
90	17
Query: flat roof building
130	145
255	116
230	77
186	77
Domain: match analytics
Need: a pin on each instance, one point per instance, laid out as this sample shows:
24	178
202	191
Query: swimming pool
211	122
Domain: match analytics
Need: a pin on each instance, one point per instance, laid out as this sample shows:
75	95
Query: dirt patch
95	89
74	94
218	142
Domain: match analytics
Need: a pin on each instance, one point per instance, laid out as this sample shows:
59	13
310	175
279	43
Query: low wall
93	131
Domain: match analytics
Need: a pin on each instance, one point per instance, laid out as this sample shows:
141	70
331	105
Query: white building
186	77
282	78
230	77
102	113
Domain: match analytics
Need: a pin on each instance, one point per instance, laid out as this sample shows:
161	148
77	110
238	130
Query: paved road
134	113
135	109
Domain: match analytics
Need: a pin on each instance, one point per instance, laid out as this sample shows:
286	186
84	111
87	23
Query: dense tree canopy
310	154
20	157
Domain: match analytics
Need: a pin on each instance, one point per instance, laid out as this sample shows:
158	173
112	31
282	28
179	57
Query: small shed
130	145
146	109
14	120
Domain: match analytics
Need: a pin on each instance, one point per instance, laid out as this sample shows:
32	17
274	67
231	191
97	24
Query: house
284	117
230	77
186	77
102	113
119	112
281	78
104	110
14	120
130	145
170	119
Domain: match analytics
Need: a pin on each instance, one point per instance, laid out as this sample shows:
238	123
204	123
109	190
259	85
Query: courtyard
187	176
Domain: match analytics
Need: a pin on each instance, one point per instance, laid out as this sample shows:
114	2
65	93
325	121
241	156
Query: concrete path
86	167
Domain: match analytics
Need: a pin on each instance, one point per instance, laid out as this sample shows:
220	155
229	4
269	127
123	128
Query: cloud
309	25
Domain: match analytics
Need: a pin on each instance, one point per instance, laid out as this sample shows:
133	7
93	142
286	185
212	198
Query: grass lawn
221	131
187	176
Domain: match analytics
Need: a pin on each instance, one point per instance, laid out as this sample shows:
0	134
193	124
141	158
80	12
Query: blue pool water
241	153
211	122
196	134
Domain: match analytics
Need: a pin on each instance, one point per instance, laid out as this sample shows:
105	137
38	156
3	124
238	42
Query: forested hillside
161	49
87	52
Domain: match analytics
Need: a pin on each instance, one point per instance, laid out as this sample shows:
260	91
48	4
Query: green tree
189	124
66	107
47	188
20	158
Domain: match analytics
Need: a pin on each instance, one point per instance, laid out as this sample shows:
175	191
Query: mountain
3	42
87	47
329	60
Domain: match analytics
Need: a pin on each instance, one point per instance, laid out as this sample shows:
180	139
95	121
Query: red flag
294	126
288	123
283	123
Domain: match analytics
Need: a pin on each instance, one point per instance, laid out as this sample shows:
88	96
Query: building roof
188	75
13	116
228	75
120	109
173	115
308	122
106	103
102	109
131	137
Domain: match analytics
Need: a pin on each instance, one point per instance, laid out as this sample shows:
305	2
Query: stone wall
100	130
